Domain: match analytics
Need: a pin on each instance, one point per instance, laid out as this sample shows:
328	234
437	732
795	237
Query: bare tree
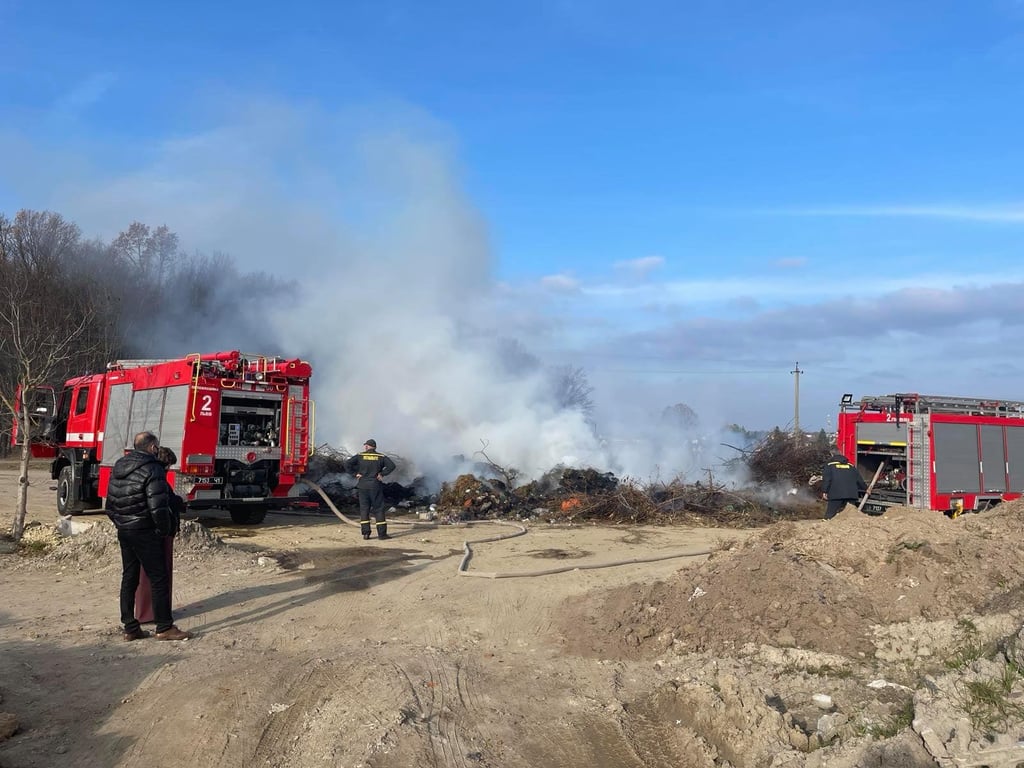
572	390
37	239
45	322
150	252
680	416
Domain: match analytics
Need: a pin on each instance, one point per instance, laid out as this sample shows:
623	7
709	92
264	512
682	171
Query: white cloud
1010	213
642	266
84	93
560	283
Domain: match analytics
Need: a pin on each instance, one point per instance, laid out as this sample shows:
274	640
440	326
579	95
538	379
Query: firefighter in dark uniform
841	484
370	468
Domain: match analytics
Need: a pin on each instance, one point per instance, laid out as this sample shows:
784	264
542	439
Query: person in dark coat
138	503
370	468
144	593
841	484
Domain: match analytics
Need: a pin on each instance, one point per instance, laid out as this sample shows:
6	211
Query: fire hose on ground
520	530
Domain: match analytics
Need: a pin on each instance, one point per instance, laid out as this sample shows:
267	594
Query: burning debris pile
572	495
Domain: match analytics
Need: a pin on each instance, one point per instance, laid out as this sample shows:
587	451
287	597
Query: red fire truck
240	424
951	454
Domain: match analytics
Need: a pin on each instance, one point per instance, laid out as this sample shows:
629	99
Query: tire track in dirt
169	704
441	698
515	615
301	703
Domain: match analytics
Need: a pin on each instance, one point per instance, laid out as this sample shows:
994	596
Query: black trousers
371	500
835	506
144	549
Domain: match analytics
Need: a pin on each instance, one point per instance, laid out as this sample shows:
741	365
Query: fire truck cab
950	454
240	424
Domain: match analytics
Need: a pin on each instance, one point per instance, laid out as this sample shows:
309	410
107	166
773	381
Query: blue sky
682	198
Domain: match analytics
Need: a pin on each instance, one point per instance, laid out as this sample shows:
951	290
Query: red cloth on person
144	594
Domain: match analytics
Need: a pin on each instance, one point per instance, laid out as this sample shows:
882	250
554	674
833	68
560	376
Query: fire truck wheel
248	515
65	506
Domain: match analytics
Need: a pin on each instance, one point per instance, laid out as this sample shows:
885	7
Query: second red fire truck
951	454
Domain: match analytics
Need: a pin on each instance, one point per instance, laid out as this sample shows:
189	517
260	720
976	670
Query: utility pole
796	399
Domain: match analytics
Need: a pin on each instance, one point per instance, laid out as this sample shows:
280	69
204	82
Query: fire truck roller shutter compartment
172	425
147	411
1015	457
957	468
116	439
993	460
882	432
161	411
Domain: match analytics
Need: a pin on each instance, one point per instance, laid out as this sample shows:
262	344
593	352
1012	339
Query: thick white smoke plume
399	330
413	340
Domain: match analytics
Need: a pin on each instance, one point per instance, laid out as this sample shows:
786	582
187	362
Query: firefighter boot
382	531
365	528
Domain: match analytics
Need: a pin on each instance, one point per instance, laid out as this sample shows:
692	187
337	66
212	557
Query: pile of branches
788	458
324	461
619	502
780	464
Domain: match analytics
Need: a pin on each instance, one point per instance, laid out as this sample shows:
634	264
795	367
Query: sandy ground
313	647
352	653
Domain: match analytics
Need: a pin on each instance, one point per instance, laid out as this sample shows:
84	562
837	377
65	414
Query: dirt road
852	642
347	653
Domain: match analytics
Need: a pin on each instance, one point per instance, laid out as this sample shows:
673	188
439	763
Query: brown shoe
173	634
136	634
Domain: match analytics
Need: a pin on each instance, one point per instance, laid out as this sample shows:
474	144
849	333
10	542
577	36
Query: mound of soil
96	548
196	538
822	586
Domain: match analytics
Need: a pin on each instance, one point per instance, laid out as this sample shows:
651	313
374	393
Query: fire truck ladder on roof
968	406
140	362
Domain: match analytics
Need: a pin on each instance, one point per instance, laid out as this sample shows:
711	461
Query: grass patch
966	625
990	704
901	546
827	670
890	726
896	722
968	648
33	548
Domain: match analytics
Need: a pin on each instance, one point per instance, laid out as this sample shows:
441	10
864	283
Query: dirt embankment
824	586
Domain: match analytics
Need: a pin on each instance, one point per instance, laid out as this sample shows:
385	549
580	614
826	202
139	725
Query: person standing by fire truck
138	503
144	593
841	484
370	468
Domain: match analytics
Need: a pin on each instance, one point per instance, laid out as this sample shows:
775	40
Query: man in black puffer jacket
138	502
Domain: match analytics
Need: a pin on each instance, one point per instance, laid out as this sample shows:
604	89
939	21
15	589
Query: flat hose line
520	531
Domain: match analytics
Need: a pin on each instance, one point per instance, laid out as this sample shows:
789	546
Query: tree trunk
21	507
